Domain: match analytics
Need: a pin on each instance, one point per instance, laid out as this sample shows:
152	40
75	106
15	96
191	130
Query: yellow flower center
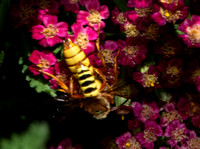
149	135
150	80
131	51
108	55
169	16
44	4
73	1
173	71
131	30
26	13
194	143
43	64
178	134
194	33
142	12
121	19
152	32
195	74
169	1
94	17
168	49
82	40
50	31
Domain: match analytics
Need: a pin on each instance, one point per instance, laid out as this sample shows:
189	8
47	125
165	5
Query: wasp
94	91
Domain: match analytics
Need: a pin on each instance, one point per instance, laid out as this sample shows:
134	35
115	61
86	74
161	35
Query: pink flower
172	72
146	111
84	37
191	31
193	141
177	132
24	13
51	32
67	144
139	3
70	5
161	15
43	60
131	52
170	115
61	72
108	51
47	7
94	14
148	79
118	17
127	141
150	134
172	5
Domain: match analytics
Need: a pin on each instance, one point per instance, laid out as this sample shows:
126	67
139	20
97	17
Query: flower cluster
156	41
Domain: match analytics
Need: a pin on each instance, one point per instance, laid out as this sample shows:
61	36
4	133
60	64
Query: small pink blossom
191	31
177	132
66	144
131	52
51	32
149	136
162	16
148	79
70	5
94	14
47	7
84	37
127	141
139	3
43	60
145	111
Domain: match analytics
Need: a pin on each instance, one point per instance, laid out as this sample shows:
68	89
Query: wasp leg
115	65
63	86
98	71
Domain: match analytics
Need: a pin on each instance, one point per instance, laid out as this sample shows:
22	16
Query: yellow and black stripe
88	83
79	64
75	56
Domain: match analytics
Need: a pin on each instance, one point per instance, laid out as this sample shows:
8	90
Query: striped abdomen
75	56
89	86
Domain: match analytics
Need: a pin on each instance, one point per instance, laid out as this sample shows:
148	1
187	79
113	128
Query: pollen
50	31
108	55
121	19
131	30
43	63
82	40
194	33
127	144
173	71
150	80
26	13
73	1
169	16
94	17
195	74
44	4
131	51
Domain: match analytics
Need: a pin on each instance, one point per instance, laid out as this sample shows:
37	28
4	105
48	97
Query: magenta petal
104	12
53	41
49	19
76	28
62	29
112	45
34	70
90	48
43	42
81	17
35	57
92	4
92	35
37	32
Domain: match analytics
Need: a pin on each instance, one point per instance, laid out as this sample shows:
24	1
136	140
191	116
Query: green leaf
40	86
121	5
163	95
58	49
121	101
35	137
